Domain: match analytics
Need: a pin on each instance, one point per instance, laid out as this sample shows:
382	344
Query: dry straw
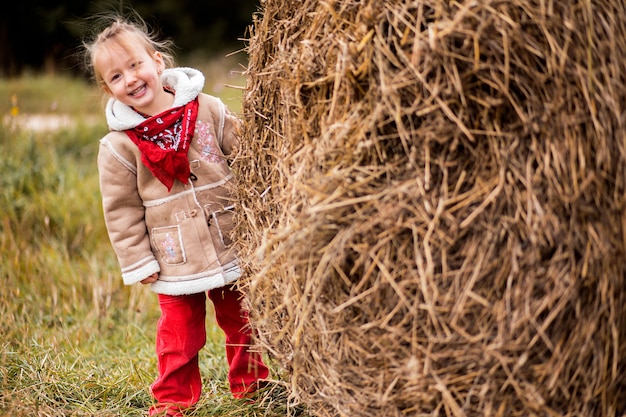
432	205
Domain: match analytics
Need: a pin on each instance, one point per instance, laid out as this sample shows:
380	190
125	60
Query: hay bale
432	204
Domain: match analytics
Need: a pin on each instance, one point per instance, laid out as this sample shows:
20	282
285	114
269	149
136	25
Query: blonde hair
128	34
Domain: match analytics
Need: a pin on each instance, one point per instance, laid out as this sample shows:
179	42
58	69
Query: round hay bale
431	209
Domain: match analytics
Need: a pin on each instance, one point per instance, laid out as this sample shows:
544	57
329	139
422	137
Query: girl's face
133	78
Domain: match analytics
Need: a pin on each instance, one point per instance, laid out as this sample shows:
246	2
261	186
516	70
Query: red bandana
163	141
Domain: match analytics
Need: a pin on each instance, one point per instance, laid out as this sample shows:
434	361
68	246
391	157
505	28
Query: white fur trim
186	82
196	285
135	275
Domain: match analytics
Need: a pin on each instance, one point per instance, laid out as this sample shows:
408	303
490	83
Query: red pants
181	333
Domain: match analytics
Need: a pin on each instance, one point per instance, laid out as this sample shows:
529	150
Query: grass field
75	341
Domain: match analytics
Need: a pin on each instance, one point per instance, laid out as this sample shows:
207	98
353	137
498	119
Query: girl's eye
115	77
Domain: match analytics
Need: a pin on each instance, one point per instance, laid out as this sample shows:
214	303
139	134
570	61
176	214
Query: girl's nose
130	77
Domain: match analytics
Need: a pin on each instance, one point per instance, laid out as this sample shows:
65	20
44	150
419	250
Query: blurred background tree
38	36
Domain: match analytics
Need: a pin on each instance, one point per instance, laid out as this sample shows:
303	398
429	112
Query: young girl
164	181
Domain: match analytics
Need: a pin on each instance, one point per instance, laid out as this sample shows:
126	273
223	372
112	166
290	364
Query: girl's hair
129	34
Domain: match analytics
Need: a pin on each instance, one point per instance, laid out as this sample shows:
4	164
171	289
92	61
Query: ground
44	122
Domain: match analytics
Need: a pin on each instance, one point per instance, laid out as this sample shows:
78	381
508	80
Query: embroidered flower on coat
169	246
209	149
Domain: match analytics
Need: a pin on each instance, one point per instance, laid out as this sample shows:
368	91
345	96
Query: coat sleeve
232	132
228	130
124	212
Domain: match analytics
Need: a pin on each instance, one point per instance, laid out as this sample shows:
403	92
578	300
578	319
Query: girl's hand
152	278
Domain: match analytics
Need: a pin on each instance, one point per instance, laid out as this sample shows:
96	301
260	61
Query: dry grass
432	199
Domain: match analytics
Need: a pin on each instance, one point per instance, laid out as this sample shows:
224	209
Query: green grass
48	94
76	341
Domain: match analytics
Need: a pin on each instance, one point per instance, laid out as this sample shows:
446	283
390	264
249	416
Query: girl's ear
158	58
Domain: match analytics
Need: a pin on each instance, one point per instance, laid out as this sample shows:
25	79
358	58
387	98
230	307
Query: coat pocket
223	222
168	243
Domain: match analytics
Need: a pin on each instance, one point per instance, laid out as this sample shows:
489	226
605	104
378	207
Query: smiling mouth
138	90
